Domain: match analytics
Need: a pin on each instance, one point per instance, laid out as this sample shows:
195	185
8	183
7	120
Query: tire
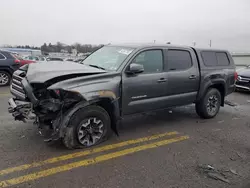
3	76
83	126
209	106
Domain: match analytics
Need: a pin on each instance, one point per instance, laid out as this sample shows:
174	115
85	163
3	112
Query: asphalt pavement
168	149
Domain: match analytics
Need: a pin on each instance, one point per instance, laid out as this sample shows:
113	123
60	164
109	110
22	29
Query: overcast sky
33	22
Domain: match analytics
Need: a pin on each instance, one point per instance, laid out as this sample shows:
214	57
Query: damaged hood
42	72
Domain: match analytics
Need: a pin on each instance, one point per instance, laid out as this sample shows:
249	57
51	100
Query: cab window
152	61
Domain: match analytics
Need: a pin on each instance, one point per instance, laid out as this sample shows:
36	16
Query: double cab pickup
82	104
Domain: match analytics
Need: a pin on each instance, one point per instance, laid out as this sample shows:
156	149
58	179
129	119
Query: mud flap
116	119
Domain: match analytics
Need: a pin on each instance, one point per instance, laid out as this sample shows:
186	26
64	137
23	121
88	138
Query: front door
147	90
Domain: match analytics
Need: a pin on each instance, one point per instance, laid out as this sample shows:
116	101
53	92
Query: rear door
145	91
6	60
13	61
2	57
183	76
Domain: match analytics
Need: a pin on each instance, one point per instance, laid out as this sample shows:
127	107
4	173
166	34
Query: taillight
235	75
17	61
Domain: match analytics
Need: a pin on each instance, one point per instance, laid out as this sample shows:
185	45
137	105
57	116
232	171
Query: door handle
192	77
162	80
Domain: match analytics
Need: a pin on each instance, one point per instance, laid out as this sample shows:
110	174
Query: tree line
60	47
23	46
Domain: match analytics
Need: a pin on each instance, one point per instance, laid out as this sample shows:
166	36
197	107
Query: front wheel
87	127
209	105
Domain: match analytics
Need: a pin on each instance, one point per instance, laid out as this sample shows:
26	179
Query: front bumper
20	110
243	83
21	106
243	87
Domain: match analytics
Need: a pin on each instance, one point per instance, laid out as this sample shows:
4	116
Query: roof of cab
147	45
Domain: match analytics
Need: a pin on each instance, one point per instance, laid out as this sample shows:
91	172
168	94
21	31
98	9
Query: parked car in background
54	59
82	103
8	64
243	81
35	58
239	67
23	61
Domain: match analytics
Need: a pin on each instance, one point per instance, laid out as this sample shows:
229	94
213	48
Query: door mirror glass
135	68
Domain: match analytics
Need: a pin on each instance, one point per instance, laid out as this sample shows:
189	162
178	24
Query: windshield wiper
96	66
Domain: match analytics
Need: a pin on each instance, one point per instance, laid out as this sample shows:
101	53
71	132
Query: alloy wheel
90	131
4	79
212	104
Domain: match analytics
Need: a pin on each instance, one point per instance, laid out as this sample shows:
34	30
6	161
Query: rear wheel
4	78
209	105
87	127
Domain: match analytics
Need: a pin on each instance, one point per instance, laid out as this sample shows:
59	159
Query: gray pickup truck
82	104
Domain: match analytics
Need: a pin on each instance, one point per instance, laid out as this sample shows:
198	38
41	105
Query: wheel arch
6	69
220	85
111	106
221	88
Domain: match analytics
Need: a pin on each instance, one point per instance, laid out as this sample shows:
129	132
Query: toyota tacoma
82	104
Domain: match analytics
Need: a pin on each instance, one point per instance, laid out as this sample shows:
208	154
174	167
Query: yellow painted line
5	94
84	153
86	162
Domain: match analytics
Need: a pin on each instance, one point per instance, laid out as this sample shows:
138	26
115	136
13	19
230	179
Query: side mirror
135	68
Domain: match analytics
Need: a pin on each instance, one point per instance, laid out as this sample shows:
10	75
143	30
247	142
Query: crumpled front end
36	102
19	106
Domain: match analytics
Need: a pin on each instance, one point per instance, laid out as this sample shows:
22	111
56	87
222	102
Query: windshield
108	57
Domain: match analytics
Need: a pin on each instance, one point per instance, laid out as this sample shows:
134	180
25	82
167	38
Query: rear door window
2	57
178	60
222	58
